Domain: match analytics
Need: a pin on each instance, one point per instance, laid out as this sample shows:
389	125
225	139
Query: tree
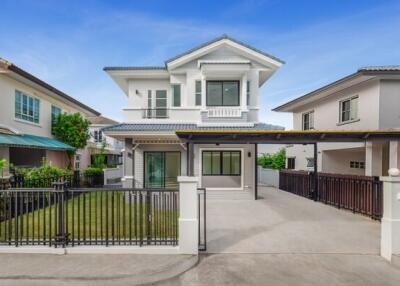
3	165
275	161
73	130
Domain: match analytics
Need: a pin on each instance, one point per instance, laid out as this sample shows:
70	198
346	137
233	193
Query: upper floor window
223	93
248	93
308	120
198	93
291	163
349	109
176	92
55	112
98	136
26	107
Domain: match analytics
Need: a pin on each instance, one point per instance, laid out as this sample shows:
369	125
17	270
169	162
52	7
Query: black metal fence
68	217
359	194
75	180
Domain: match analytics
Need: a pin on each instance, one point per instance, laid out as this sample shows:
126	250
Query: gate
202	215
64	217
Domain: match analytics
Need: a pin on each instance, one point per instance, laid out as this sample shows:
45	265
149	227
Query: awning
31	141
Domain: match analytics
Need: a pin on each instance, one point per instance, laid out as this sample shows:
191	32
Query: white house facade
213	86
28	107
366	100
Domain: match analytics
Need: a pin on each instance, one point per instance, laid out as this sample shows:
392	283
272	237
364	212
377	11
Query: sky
67	43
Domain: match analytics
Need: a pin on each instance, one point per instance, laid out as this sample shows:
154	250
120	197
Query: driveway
282	240
280	222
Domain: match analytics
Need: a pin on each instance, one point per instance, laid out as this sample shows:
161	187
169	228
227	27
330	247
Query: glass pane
216	163
198	86
17	104
24	104
346	105
354	108
149	99
30	109
172	169
154	170
207	169
226	163
198	99
235	162
177	94
231	93
214	93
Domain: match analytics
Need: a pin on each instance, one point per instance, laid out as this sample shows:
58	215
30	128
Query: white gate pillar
390	224
188	215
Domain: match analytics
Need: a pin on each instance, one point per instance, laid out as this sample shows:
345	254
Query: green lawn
97	215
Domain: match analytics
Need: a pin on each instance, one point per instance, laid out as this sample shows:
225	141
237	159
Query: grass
96	215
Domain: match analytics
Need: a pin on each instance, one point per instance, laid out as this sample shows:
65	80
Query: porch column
373	159
188	215
394	154
243	93
127	180
255	171
390	223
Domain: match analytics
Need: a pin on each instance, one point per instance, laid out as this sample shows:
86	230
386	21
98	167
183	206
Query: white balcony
224	112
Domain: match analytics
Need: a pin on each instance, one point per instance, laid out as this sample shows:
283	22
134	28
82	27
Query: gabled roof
362	74
223	37
8	66
102	120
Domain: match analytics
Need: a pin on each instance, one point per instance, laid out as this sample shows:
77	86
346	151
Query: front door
161	169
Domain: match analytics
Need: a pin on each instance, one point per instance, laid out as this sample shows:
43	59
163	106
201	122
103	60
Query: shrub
93	171
46	171
275	161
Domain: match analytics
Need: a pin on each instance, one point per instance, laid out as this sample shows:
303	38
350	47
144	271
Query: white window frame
197	93
35	103
353	111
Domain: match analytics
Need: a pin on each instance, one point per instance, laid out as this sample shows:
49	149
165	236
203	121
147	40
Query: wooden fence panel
359	194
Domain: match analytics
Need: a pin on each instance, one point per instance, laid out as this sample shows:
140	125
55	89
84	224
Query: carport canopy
213	136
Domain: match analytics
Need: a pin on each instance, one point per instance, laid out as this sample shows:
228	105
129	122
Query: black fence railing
69	217
75	180
359	194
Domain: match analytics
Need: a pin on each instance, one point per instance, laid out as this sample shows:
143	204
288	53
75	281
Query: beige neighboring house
112	147
367	99
27	108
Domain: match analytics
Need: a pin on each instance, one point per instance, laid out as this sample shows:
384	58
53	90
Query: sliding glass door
161	169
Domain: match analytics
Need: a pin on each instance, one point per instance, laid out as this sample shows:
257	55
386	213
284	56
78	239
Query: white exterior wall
326	117
7	114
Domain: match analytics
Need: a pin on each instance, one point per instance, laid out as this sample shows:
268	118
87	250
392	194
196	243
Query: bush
46	171
275	161
93	171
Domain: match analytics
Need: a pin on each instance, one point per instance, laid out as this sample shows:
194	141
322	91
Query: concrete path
283	239
281	222
74	269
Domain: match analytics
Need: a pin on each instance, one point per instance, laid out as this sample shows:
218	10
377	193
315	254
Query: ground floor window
291	163
221	163
161	169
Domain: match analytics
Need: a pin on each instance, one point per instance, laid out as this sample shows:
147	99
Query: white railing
224	112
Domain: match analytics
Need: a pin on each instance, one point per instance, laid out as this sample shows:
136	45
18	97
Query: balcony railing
222	112
155	113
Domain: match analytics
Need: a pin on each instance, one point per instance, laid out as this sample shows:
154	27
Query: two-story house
213	86
368	99
98	143
28	107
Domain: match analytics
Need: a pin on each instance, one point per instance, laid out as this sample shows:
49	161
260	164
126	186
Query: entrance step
229	195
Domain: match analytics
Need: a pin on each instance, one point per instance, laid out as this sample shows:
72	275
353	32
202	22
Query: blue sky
67	43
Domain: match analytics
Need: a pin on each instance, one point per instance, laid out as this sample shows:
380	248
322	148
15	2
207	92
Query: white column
127	180
390	224
243	103
203	92
373	159
394	154
188	211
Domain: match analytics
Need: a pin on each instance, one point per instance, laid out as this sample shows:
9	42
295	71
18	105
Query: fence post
390	226
61	237
188	212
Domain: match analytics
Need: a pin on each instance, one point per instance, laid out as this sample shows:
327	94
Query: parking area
280	222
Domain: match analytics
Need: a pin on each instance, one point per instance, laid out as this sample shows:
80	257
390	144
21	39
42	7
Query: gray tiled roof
381	68
134	68
183	126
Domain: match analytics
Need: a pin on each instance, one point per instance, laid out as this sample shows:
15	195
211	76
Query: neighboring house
28	107
365	100
99	142
213	86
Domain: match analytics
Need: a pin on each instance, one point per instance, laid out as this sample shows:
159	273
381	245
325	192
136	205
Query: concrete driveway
280	222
